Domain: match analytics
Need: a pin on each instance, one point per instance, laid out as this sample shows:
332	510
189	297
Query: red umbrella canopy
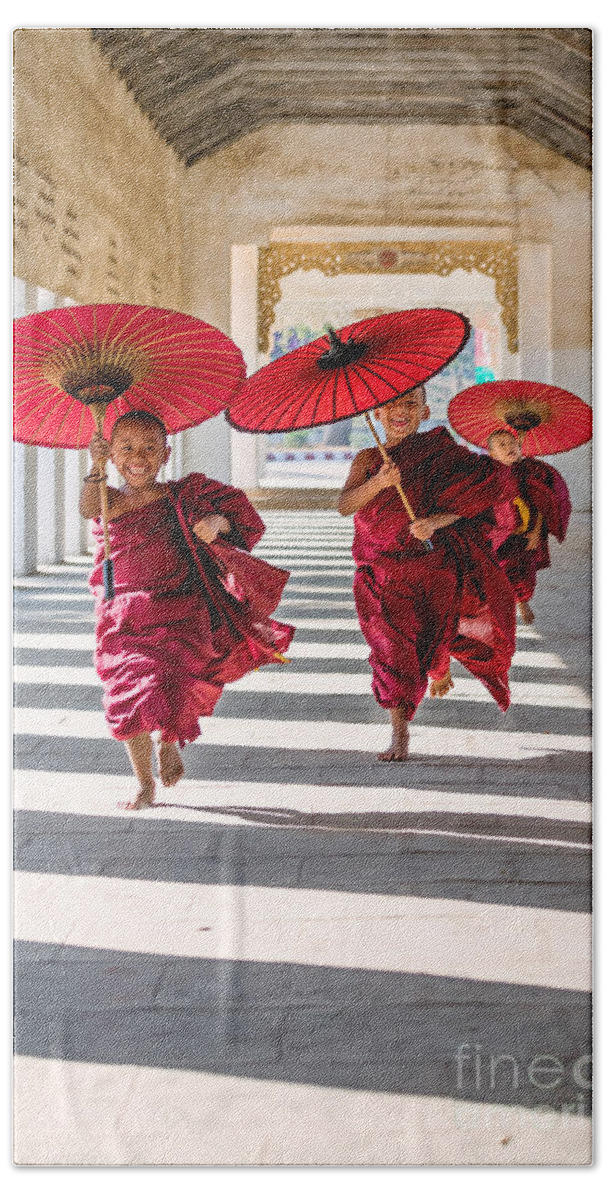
548	419
125	355
339	375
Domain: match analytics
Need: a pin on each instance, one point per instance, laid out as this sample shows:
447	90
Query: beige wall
97	193
388	175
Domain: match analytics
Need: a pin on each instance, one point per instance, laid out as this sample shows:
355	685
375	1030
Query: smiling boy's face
402	416
138	451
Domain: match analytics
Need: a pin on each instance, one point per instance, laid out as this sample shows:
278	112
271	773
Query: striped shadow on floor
248	834
297	915
323	1026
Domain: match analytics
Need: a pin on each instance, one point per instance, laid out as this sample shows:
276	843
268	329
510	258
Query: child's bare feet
143	799
399	747
170	765
139	749
525	612
441	687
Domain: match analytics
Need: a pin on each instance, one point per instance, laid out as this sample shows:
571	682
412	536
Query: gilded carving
496	259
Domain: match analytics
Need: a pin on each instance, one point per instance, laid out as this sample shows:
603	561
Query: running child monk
416	607
540	505
173	635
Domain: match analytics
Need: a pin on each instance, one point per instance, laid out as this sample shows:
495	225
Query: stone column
244	331
25	475
76	528
51	507
25	539
534	285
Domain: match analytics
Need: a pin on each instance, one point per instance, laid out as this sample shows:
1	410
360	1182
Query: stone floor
302	955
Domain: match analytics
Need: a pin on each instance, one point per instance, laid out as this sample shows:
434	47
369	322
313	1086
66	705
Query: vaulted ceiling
205	88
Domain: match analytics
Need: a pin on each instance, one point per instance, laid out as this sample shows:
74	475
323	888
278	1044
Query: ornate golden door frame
496	259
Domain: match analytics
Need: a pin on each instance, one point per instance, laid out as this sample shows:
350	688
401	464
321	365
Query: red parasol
77	369
547	419
123	356
339	375
346	373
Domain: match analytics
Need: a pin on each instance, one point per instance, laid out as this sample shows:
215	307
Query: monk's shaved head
139	417
503	445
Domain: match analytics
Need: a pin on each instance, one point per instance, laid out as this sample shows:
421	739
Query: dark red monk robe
416	608
171	639
543	491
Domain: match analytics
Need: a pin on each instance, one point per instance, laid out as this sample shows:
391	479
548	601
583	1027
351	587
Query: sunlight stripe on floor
543	660
319	589
63	568
298	543
302	602
173	1120
324	650
313	572
78	596
352	930
540	659
334	624
295	549
98	794
341	736
32	583
54	641
303	556
292	517
546	695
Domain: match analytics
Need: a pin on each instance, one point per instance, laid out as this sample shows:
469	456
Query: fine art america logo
549	1084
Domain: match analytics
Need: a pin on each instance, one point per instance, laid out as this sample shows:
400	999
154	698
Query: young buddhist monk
173	635
416	607
539	505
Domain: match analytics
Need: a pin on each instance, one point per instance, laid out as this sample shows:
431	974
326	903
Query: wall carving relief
496	259
77	245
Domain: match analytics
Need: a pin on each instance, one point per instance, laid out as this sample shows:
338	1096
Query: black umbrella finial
523	421
340	354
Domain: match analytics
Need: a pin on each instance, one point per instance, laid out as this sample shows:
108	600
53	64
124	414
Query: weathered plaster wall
97	193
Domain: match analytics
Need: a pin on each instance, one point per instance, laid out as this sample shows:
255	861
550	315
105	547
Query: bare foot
396	753
143	799
525	612
170	765
441	687
399	747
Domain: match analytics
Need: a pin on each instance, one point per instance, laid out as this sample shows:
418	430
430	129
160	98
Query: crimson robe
543	491
416	608
173	635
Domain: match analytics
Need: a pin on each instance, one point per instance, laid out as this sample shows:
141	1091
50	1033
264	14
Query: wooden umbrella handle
382	448
406	504
98	409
